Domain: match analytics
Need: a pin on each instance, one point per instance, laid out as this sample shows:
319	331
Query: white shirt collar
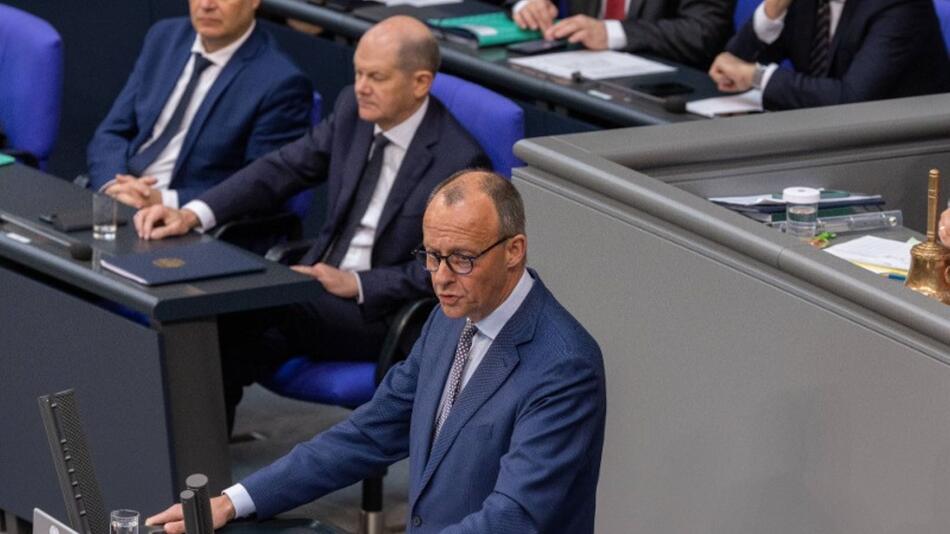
221	57
402	134
490	326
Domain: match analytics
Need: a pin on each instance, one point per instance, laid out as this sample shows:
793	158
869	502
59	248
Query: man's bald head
414	44
503	195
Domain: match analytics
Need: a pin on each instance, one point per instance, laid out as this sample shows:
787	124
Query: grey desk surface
29	193
489	67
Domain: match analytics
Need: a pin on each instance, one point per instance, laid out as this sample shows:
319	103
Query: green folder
6	160
487	29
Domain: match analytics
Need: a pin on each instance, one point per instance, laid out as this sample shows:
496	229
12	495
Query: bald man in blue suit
500	406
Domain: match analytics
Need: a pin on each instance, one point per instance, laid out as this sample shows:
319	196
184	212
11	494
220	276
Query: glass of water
124	522
104	213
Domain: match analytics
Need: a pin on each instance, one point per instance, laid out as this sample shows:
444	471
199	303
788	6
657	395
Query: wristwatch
758	75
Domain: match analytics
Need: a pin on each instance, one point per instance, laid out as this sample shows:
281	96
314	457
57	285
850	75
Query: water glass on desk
124	522
104	215
801	211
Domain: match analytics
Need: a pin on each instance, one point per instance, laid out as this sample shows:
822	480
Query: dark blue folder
197	261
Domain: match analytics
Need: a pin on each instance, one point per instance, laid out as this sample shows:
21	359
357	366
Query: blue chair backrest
943	14
493	120
743	12
31	82
300	203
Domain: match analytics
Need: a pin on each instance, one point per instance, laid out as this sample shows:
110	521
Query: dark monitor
74	469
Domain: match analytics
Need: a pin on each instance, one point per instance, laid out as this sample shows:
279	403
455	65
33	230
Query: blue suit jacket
259	102
335	152
519	453
881	49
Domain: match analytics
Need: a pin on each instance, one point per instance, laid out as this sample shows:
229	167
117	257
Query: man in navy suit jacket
874	49
500	406
248	101
367	274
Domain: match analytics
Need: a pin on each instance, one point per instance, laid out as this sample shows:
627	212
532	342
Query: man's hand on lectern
222	511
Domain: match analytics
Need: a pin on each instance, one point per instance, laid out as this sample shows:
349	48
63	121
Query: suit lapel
429	397
843	21
356	159
414	164
238	62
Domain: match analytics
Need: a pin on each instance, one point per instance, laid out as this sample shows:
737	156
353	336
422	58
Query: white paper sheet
593	65
875	251
722	106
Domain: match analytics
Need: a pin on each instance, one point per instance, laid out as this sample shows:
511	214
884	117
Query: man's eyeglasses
458	263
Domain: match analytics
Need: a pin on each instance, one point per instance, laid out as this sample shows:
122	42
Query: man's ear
422	83
515	250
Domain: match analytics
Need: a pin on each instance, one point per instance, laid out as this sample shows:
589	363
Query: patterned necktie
614	10
462	352
364	193
821	44
139	162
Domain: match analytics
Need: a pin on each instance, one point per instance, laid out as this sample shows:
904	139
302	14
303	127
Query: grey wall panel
740	398
51	341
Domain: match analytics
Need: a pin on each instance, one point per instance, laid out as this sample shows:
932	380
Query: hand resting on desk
222	511
731	74
159	222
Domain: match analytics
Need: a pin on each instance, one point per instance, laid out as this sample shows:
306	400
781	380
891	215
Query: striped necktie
821	44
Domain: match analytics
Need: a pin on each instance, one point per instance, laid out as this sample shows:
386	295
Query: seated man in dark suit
686	31
499	407
205	98
386	146
841	51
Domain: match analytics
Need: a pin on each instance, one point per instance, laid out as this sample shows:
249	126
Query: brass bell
930	261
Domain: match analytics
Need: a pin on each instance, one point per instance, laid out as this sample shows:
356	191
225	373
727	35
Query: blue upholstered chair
494	121
31	84
943	13
743	12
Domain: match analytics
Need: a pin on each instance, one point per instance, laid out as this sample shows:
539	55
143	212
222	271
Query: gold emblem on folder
930	261
168	263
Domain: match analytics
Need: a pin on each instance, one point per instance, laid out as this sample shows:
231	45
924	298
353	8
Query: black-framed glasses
458	263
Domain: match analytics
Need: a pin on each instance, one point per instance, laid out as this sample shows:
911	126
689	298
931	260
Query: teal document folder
487	29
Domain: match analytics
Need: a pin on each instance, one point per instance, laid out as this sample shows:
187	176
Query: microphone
77	250
196	505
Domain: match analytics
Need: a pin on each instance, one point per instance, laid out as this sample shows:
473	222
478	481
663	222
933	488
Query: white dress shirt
359	256
616	37
488	330
769	30
164	164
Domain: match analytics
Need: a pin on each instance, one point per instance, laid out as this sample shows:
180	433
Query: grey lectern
756	385
152	399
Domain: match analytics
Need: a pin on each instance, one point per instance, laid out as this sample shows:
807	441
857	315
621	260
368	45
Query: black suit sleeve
265	184
890	44
693	32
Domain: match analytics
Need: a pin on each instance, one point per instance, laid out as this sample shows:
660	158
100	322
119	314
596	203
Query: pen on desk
895	276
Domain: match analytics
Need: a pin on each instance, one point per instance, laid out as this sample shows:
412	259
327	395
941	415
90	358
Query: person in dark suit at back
841	52
690	32
206	97
386	146
500	406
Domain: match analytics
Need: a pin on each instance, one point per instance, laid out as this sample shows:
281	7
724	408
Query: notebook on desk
197	261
